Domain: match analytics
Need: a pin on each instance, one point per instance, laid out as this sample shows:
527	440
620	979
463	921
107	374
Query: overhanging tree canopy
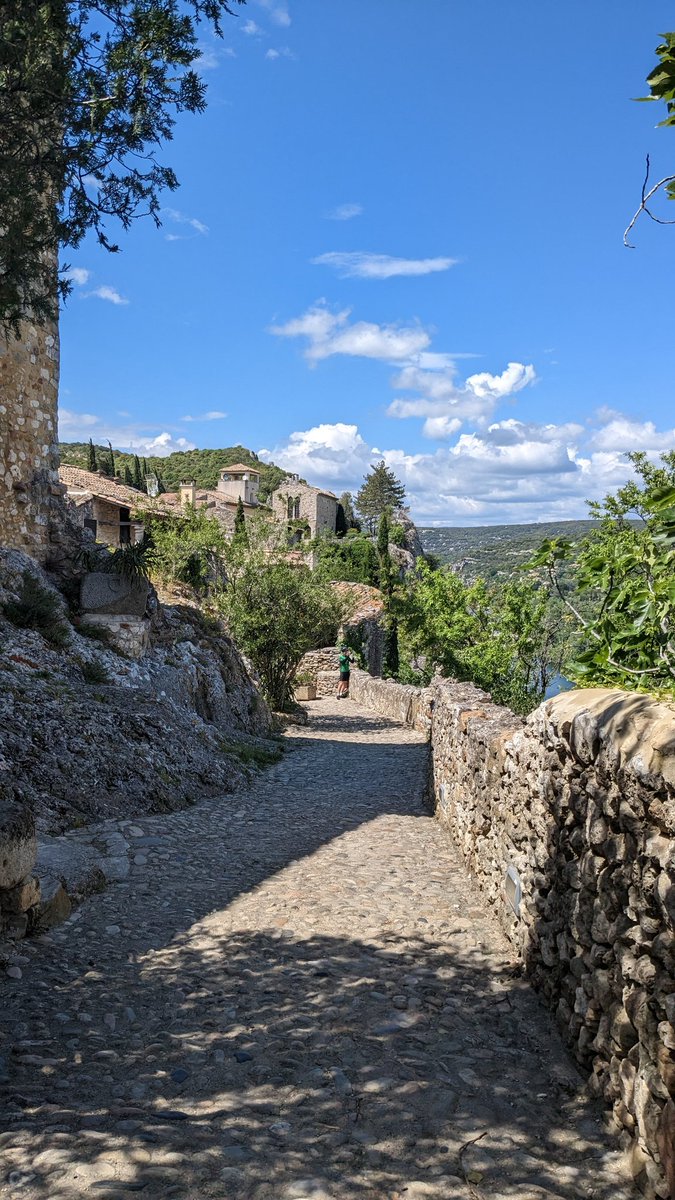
89	90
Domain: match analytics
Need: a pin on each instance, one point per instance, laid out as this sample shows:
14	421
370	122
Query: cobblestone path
295	993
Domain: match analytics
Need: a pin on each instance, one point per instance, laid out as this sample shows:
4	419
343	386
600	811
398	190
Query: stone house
237	482
312	507
102	505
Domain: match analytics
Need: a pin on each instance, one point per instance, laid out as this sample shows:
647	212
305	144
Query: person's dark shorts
344	676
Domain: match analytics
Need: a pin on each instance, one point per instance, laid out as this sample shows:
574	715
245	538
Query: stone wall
29	902
567	822
408	705
29	372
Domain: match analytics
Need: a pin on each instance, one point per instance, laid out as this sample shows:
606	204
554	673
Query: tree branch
646	197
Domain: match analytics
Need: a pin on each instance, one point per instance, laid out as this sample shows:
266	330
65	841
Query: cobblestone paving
295	993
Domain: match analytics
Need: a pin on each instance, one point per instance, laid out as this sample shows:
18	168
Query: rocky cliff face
86	733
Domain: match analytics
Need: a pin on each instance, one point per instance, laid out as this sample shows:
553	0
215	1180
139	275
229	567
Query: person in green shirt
345	664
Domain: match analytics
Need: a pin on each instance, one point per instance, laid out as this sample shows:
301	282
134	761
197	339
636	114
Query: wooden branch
646	197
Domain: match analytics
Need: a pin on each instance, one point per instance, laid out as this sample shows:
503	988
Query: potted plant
304	687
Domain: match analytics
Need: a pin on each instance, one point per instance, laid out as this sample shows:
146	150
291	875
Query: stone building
294	501
29	486
107	508
236	483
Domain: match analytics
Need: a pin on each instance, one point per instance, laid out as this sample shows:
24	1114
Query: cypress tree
240	536
111	460
128	477
386	567
92	464
138	478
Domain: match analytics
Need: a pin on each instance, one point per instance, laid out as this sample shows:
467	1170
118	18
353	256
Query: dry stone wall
408	705
29	372
567	822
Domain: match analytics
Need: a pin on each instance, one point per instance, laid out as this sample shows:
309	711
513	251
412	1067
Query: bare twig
646	197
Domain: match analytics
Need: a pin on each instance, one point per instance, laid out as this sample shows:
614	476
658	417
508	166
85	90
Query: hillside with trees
204	466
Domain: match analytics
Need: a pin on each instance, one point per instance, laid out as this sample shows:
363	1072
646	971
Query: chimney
188	492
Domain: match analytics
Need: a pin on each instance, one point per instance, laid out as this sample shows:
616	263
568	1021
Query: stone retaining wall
408	705
567	822
29	903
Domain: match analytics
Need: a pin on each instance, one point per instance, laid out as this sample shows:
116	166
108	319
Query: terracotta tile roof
101	486
237	467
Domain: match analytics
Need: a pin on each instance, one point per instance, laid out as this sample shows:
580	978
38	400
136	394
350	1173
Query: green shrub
38	609
397	536
256	756
94	672
95	633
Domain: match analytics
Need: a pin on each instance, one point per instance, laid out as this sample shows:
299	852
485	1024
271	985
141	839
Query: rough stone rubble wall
577	803
29	371
408	705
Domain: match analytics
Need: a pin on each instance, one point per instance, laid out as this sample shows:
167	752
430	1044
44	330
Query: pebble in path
295	993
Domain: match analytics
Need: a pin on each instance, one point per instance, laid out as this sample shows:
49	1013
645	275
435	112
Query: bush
94	672
95	633
276	612
352	559
397	535
38	609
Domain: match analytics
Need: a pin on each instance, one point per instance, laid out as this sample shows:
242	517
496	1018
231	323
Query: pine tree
92	464
381	490
138	478
240	536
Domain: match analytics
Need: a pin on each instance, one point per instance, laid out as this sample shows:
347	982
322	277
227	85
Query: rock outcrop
87	733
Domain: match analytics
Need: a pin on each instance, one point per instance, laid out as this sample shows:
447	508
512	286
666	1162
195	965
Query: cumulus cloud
105	292
251	29
344	212
363	265
283	52
79	427
207	416
329	455
512	471
329	333
78	275
622	433
442	399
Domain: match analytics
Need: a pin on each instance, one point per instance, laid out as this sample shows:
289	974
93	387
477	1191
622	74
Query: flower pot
305	691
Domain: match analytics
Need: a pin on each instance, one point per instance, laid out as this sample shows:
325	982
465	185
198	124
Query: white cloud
622	433
282	52
272	54
513	471
327	455
79	427
442	399
364	265
207	416
278	11
344	212
329	333
179	218
251	29
105	292
211	56
78	275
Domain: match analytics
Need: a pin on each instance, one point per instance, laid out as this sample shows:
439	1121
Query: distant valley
495	551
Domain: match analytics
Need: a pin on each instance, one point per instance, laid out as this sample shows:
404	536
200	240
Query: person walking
345	663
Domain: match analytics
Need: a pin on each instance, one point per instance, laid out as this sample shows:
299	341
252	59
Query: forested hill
203	466
496	551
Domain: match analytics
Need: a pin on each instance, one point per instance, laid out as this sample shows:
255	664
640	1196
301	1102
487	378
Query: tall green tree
128	477
346	503
89	91
138	478
240	535
92	464
381	490
276	610
628	567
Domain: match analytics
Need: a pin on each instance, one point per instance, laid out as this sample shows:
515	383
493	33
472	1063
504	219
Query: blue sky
399	234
